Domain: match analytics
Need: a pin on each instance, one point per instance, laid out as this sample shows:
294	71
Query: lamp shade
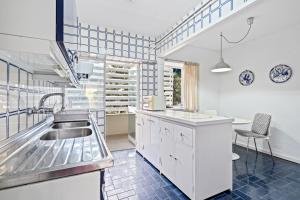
221	66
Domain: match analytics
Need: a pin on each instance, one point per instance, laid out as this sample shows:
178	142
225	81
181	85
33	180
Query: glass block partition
94	40
207	14
18	92
148	79
91	94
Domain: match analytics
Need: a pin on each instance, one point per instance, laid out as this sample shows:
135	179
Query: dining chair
260	130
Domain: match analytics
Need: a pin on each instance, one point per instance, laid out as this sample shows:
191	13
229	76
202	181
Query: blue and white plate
246	78
280	73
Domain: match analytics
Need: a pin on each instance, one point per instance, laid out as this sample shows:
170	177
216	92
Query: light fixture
222	66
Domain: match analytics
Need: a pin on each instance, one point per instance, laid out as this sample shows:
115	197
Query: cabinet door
146	136
141	132
184	160
167	150
138	133
155	141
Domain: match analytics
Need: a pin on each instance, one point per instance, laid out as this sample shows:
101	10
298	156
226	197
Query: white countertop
241	121
194	119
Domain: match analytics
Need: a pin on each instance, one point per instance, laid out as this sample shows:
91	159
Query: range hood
32	36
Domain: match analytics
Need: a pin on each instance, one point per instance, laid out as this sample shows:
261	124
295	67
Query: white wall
282	101
209	83
224	93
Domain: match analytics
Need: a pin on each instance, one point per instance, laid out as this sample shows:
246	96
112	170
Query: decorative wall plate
246	78
280	73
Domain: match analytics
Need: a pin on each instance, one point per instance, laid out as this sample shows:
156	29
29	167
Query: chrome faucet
42	108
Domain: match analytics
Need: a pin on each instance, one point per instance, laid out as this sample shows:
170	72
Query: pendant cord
221	45
236	42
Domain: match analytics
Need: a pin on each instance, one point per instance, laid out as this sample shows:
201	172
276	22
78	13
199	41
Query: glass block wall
18	92
94	40
199	19
148	79
91	94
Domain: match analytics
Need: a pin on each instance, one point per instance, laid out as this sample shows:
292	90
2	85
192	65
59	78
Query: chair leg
247	149
255	145
270	149
235	138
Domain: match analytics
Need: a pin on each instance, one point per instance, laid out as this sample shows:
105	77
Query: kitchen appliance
154	103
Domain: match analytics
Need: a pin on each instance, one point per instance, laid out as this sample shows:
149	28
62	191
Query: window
172	85
177	79
121	87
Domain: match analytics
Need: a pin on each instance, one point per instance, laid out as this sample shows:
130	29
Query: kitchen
141	105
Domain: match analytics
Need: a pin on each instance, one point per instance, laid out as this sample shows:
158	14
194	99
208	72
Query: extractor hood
32	36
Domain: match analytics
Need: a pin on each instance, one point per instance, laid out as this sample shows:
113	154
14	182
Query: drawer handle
181	134
175	158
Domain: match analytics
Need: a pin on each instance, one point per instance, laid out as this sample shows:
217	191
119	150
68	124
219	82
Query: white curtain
190	87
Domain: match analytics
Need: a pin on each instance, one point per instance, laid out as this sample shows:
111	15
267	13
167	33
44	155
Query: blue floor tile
260	177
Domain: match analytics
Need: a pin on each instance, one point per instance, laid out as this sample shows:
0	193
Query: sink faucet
42	108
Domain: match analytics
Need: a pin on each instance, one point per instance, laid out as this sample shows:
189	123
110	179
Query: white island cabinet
192	150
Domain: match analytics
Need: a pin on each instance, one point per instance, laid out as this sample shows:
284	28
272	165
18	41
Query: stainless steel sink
62	125
71	115
60	134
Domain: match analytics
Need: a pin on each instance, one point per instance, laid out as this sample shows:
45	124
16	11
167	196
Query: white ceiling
145	17
270	16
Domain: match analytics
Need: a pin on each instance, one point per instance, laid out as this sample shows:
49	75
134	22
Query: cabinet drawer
166	128
183	135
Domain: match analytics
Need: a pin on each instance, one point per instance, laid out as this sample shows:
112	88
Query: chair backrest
261	123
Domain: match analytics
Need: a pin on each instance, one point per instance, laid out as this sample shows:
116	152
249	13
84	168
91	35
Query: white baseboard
267	151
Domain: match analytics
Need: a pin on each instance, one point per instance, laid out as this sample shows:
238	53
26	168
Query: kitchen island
194	151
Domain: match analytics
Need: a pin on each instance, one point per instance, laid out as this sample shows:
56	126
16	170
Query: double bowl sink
67	130
67	144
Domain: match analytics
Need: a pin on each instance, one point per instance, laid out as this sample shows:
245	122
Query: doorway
121	93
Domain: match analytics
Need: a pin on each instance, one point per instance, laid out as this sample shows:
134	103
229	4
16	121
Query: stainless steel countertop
27	159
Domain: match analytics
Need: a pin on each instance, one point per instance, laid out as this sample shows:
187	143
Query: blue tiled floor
134	178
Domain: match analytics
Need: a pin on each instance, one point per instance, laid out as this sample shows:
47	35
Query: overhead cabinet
196	158
34	37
